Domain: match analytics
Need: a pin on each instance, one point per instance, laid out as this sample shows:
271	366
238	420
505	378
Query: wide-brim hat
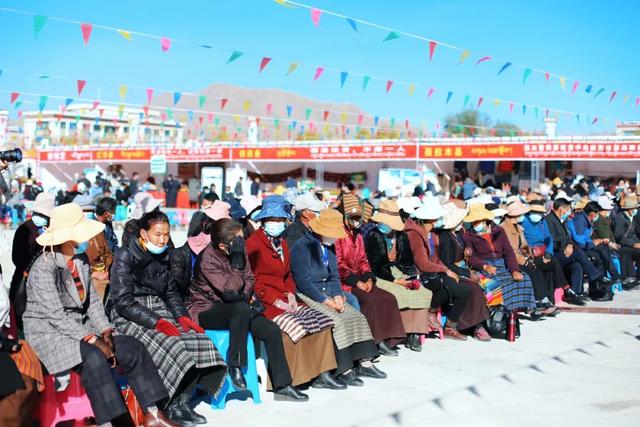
580	204
309	201
68	223
44	204
453	215
430	211
144	203
250	203
274	207
352	205
605	203
236	210
563	195
517	208
629	203
495	209
199	242
218	210
328	224
537	206
409	204
557	181
388	213
478	212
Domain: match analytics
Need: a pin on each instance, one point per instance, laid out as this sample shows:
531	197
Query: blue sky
593	41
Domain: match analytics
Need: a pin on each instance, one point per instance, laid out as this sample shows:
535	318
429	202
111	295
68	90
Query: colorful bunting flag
524	110
223	103
483	59
360	117
563	82
625	99
464	55
343	118
412	89
68	102
125	34
307	113
269	108
80	85
14	96
325	115
480	99
86	32
365	82
599	92
574	87
432	49
343	78
123	91
263	63
292	68
546	76
146	110
431	90
496	102
201	100
511	107
149	95
315	16
176	97
43	102
526	74
594	121
39	21
613	95
391	36
165	44
466	101
234	55
637	101
535	111
589	88
289	111
318	73
246	105
504	67
449	95
353	25
95	105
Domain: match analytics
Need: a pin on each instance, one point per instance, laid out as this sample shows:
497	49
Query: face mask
479	228
82	248
89	215
458	228
498	220
156	250
520	219
384	228
633	212
535	218
39	221
274	229
353	224
565	216
439	223
328	241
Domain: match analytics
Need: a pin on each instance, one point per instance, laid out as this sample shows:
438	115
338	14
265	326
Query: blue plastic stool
121	213
228	391
616	262
173	218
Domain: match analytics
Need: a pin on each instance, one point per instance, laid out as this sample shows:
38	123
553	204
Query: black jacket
559	233
451	251
626	231
376	249
294	232
24	249
136	272
195	224
181	271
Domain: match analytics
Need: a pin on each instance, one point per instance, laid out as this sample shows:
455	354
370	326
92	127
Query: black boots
179	411
413	342
326	380
237	378
385	350
289	394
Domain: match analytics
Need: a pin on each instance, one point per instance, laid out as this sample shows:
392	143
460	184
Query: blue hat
274	207
236	211
85	202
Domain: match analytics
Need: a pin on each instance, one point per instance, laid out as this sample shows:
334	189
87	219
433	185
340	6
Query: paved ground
579	369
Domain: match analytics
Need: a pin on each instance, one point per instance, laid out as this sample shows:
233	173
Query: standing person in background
171	187
238	191
255	187
203	193
290	183
105	211
134	185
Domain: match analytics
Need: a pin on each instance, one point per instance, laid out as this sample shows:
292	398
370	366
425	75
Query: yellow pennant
625	99
412	89
120	110
125	34
246	105
563	82
236	119
123	91
343	117
292	68
465	54
496	102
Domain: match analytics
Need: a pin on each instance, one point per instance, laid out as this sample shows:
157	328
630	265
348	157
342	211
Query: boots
451	331
413	342
176	413
185	402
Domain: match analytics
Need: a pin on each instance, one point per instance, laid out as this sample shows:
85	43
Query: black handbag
498	322
256	308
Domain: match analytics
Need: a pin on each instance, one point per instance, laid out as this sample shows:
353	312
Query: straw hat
389	213
495	209
478	212
218	210
537	206
68	223
199	242
557	181
144	203
354	206
429	211
517	208
629	203
580	204
453	215
328	224
44	204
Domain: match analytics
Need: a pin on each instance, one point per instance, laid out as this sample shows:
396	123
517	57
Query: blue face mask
273	228
82	248
439	223
156	250
384	228
535	218
520	219
565	216
479	228
39	221
498	220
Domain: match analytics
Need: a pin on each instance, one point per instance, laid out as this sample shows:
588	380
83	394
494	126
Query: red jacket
419	242
353	265
273	275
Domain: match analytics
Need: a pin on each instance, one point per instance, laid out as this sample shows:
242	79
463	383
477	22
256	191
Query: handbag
538	250
256	308
133	406
498	322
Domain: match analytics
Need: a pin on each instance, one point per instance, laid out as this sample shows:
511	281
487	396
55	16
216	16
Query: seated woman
147	306
378	306
389	256
66	325
540	272
434	275
306	333
492	254
315	271
452	254
221	297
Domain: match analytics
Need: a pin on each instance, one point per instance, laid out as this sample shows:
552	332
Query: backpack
498	322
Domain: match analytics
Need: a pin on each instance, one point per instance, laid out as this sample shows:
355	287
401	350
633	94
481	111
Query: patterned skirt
407	298
516	295
349	327
304	321
175	356
28	363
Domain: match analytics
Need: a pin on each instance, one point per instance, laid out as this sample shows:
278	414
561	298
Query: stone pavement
579	369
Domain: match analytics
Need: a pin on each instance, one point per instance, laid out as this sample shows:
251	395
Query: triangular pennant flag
449	95
480	99
325	115
165	44
234	55
123	92
574	87
483	59
39	21
637	101
389	84
315	16
263	63
120	111
504	67
563	82
318	73
412	89
365	82
525	75
535	111
578	118
223	103
625	99
14	96
149	95
269	108
613	95
80	85
289	111
431	90
594	121
392	122
391	36
201	100
210	117
496	102
589	88
432	49
343	117
376	119
599	92
43	102
360	117
464	55
125	34
466	101
307	113
292	68
146	110
276	123
524	110
95	105
86	32
68	102
353	25
169	114
190	116
511	107
343	78
176	97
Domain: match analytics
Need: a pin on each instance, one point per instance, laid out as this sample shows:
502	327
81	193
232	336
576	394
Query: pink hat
199	242
250	203
218	210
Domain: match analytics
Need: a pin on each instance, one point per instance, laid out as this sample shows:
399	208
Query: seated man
626	229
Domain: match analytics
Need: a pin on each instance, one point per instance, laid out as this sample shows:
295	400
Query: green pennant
393	122
365	82
526	75
216	122
169	114
201	100
391	36
276	123
235	55
39	22
466	101
307	113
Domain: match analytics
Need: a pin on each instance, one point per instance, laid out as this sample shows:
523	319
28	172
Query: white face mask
328	241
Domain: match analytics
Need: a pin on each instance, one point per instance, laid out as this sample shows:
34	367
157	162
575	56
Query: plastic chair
228	391
121	213
70	404
442	320
173	218
558	295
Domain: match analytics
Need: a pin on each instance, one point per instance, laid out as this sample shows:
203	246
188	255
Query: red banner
329	152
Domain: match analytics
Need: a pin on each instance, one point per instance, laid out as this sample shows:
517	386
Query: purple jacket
482	251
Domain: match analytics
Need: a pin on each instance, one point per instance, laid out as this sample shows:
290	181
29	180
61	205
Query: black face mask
237	253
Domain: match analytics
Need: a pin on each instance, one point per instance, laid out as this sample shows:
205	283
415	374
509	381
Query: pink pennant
263	63
360	117
511	107
637	101
210	117
430	92
432	49
269	108
165	44
546	76
149	95
574	87
14	96
389	84
223	103
319	72
406	124
81	84
315	17
19	114
95	105
480	99
86	32
613	95
483	59
146	110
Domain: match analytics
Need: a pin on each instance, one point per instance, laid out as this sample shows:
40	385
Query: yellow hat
328	224
69	224
477	212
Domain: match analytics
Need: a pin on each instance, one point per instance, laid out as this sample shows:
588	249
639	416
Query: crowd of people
330	286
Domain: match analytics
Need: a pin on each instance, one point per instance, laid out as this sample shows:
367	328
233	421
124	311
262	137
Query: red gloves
187	324
167	328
